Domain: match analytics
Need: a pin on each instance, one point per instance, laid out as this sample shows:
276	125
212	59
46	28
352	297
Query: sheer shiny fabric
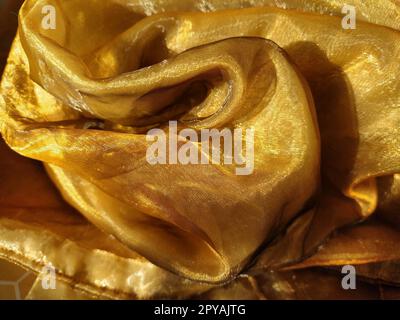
81	98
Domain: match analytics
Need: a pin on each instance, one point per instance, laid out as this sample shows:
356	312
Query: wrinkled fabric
324	103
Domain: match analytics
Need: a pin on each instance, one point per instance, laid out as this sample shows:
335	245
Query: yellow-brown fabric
324	103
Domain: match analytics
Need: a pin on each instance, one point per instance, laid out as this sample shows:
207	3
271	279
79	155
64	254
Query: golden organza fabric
324	103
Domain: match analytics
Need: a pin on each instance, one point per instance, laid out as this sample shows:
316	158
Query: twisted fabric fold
80	98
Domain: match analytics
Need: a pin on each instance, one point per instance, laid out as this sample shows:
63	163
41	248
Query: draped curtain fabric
77	192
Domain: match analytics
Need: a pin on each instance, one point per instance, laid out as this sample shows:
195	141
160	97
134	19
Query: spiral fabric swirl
323	102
